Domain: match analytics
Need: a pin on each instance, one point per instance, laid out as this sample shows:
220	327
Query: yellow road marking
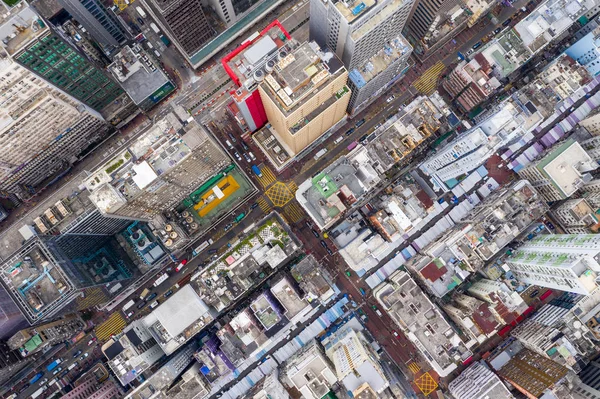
279	194
427	83
294	212
426	384
267	178
113	325
264	205
414	367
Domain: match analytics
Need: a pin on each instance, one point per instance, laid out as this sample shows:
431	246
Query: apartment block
567	262
43	336
157	171
422	322
304	96
576	216
561	172
426	17
367	37
589	386
474	316
507	305
478	381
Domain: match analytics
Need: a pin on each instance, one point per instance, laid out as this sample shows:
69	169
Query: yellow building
304	95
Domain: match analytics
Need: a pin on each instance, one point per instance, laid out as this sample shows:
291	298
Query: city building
478	381
474	317
160	169
422	322
567	262
507	305
47	273
29	41
178	319
367	37
141	76
426	17
132	352
34	339
589	386
561	172
313	279
592	123
10	361
247	66
327	196
469	83
32	156
309	371
192	383
354	360
90	387
268	387
304	95
530	373
576	216
101	23
158	383
11	318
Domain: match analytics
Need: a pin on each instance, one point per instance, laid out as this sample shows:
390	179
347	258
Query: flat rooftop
36	282
287	296
353	10
137	73
395	49
19	26
379	18
507	53
265	312
298	74
422	322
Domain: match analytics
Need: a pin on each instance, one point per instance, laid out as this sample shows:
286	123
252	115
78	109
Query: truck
71	367
141	11
239	217
36	378
128	305
320	153
202	247
144	293
155	28
38	392
53	365
161	279
165	40
256	171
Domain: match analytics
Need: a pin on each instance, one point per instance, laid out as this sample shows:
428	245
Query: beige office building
304	95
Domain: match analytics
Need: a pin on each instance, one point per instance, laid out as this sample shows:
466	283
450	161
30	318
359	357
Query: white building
422	322
567	262
575	216
560	173
477	382
354	360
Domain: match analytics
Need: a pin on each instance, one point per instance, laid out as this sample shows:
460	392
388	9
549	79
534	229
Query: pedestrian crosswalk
113	325
93	296
293	186
427	82
267	178
414	367
294	212
264	205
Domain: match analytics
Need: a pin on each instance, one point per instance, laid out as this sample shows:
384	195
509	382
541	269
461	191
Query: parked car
237	156
497	30
232	137
254	205
229	226
315	233
153	304
77	354
141	21
244	145
362	291
507	22
477	45
247	158
329	251
140	305
390	99
534	293
395	334
91	341
168	293
128	315
252	155
348	273
151	296
350	131
323	244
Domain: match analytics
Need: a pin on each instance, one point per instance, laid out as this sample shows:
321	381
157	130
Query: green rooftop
324	184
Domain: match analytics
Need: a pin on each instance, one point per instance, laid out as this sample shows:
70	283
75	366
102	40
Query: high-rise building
576	216
29	41
478	381
304	95
589	387
184	21
507	305
10	361
34	339
354	360
158	170
567	262
11	318
100	22
367	36
42	130
563	171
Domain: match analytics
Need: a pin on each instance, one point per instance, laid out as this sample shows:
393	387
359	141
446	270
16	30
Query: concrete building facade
478	381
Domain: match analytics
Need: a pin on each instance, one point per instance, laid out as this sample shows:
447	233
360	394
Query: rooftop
36	281
314	280
376	20
422	322
296	75
288	297
178	319
137	73
310	371
507	53
352	10
19	27
395	49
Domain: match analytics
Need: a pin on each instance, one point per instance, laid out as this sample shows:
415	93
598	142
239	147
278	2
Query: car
91	341
84	356
323	244
395	334
57	370
232	137
251	155
471	51
329	251
507	22
153	304
307	223
254	205
151	296
374	307
181	265
140	305
43	382
534	293
24	388
497	30
244	146
390	99
168	293
550	225
229	226
359	123
377	126
362	291
348	273
77	354
129	315
141	21
477	45
349	131
247	158
315	233
237	156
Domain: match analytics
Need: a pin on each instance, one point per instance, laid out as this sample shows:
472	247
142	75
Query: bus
161	279
155	28
53	365
128	305
202	247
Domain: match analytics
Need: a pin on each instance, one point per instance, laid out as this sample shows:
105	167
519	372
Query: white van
229	144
